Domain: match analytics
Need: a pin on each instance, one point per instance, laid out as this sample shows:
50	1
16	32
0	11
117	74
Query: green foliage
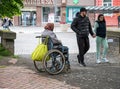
7	30
2	66
1	57
4	52
15	56
9	8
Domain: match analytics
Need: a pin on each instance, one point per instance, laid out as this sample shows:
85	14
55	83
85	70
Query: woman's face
101	18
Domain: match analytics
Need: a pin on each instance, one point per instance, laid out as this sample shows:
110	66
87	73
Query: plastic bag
39	52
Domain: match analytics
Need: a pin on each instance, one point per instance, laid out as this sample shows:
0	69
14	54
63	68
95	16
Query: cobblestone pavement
22	78
23	75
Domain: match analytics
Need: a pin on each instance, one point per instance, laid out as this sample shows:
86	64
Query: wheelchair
54	60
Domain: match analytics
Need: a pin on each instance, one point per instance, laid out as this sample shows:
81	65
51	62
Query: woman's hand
94	35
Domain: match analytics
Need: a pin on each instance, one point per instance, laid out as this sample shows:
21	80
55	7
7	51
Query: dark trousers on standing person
83	45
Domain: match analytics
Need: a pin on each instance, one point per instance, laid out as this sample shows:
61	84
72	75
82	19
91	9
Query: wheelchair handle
41	36
38	37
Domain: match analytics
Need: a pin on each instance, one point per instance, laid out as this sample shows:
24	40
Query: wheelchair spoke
56	62
38	65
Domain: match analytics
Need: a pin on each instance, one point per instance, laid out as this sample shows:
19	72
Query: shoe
105	60
98	61
67	64
78	58
79	61
83	64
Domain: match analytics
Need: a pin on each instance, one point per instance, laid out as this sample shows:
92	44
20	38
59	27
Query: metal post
55	8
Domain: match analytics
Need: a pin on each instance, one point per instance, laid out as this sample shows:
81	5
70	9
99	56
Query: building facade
39	12
111	18
72	8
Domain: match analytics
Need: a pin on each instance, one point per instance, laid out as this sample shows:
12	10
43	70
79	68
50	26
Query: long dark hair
100	16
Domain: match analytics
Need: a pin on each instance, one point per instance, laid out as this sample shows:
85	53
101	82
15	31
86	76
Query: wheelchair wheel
54	61
39	66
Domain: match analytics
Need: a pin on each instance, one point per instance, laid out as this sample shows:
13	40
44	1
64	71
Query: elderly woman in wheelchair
57	57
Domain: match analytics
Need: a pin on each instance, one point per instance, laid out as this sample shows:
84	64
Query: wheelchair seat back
50	43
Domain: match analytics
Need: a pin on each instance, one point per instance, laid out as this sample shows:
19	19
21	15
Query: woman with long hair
101	39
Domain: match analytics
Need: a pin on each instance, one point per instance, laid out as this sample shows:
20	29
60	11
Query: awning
105	9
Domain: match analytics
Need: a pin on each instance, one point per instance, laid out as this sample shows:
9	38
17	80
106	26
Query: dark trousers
83	46
65	52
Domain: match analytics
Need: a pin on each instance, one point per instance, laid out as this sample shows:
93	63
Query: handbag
40	51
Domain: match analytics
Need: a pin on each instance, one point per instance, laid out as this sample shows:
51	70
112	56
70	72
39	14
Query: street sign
75	1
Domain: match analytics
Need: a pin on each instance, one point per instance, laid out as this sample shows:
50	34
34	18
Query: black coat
81	26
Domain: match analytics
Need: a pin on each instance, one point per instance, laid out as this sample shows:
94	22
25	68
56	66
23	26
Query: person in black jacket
82	27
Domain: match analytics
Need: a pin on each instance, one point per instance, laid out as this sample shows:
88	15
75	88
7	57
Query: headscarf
49	26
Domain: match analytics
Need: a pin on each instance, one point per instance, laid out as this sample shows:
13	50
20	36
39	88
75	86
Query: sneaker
83	64
105	60
79	61
98	61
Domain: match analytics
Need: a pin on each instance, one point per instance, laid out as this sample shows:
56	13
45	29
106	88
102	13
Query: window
51	14
28	18
71	12
107	3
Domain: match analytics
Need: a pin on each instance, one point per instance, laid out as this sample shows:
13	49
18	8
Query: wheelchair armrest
38	37
41	36
57	44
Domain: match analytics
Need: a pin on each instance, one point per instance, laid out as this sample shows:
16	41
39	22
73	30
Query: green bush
4	52
1	57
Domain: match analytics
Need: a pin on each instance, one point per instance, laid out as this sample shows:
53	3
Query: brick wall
16	21
38	9
38	14
112	19
99	2
116	2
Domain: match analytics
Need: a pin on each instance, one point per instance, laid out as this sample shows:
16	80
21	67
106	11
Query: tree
10	8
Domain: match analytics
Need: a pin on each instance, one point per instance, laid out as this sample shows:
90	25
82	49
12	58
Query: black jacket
81	26
101	30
